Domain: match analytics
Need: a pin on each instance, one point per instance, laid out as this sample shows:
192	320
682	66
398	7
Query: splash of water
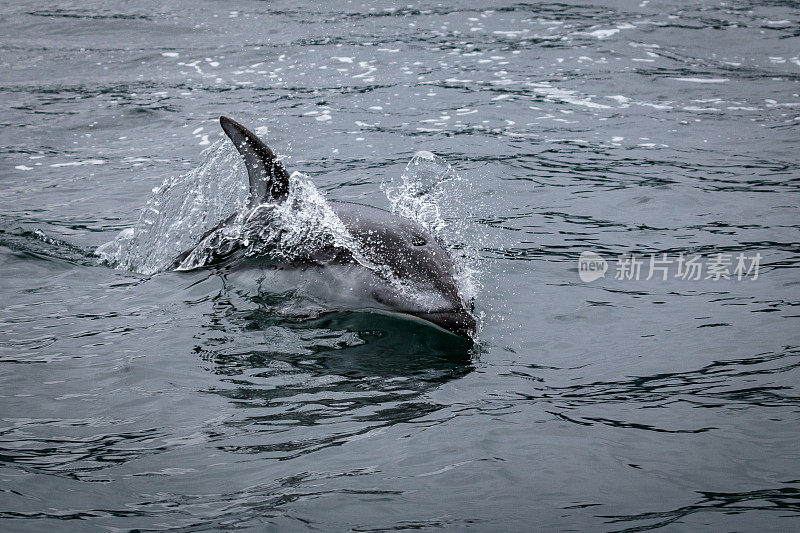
290	230
180	211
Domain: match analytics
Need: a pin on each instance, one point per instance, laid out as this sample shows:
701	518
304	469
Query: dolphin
398	267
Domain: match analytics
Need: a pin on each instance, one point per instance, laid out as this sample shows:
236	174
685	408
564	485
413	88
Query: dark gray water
176	402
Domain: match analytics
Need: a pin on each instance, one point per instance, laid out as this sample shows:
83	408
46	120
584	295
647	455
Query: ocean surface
657	132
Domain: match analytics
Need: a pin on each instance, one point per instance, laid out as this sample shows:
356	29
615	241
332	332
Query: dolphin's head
424	267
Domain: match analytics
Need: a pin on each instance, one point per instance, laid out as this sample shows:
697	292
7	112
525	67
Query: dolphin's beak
457	321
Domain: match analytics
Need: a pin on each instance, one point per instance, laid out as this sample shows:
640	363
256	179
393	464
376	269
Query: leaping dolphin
407	269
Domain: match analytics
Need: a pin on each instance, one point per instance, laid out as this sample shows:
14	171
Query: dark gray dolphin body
402	249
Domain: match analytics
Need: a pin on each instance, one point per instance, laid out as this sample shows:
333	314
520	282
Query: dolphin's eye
418	240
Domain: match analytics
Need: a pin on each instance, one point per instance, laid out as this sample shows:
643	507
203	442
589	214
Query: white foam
699	80
79	163
568	96
603	34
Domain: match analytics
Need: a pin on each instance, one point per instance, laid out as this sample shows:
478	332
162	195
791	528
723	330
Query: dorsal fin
269	180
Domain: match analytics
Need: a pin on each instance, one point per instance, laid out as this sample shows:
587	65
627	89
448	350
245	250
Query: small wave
38	244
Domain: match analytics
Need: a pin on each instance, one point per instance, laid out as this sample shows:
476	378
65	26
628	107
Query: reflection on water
349	373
